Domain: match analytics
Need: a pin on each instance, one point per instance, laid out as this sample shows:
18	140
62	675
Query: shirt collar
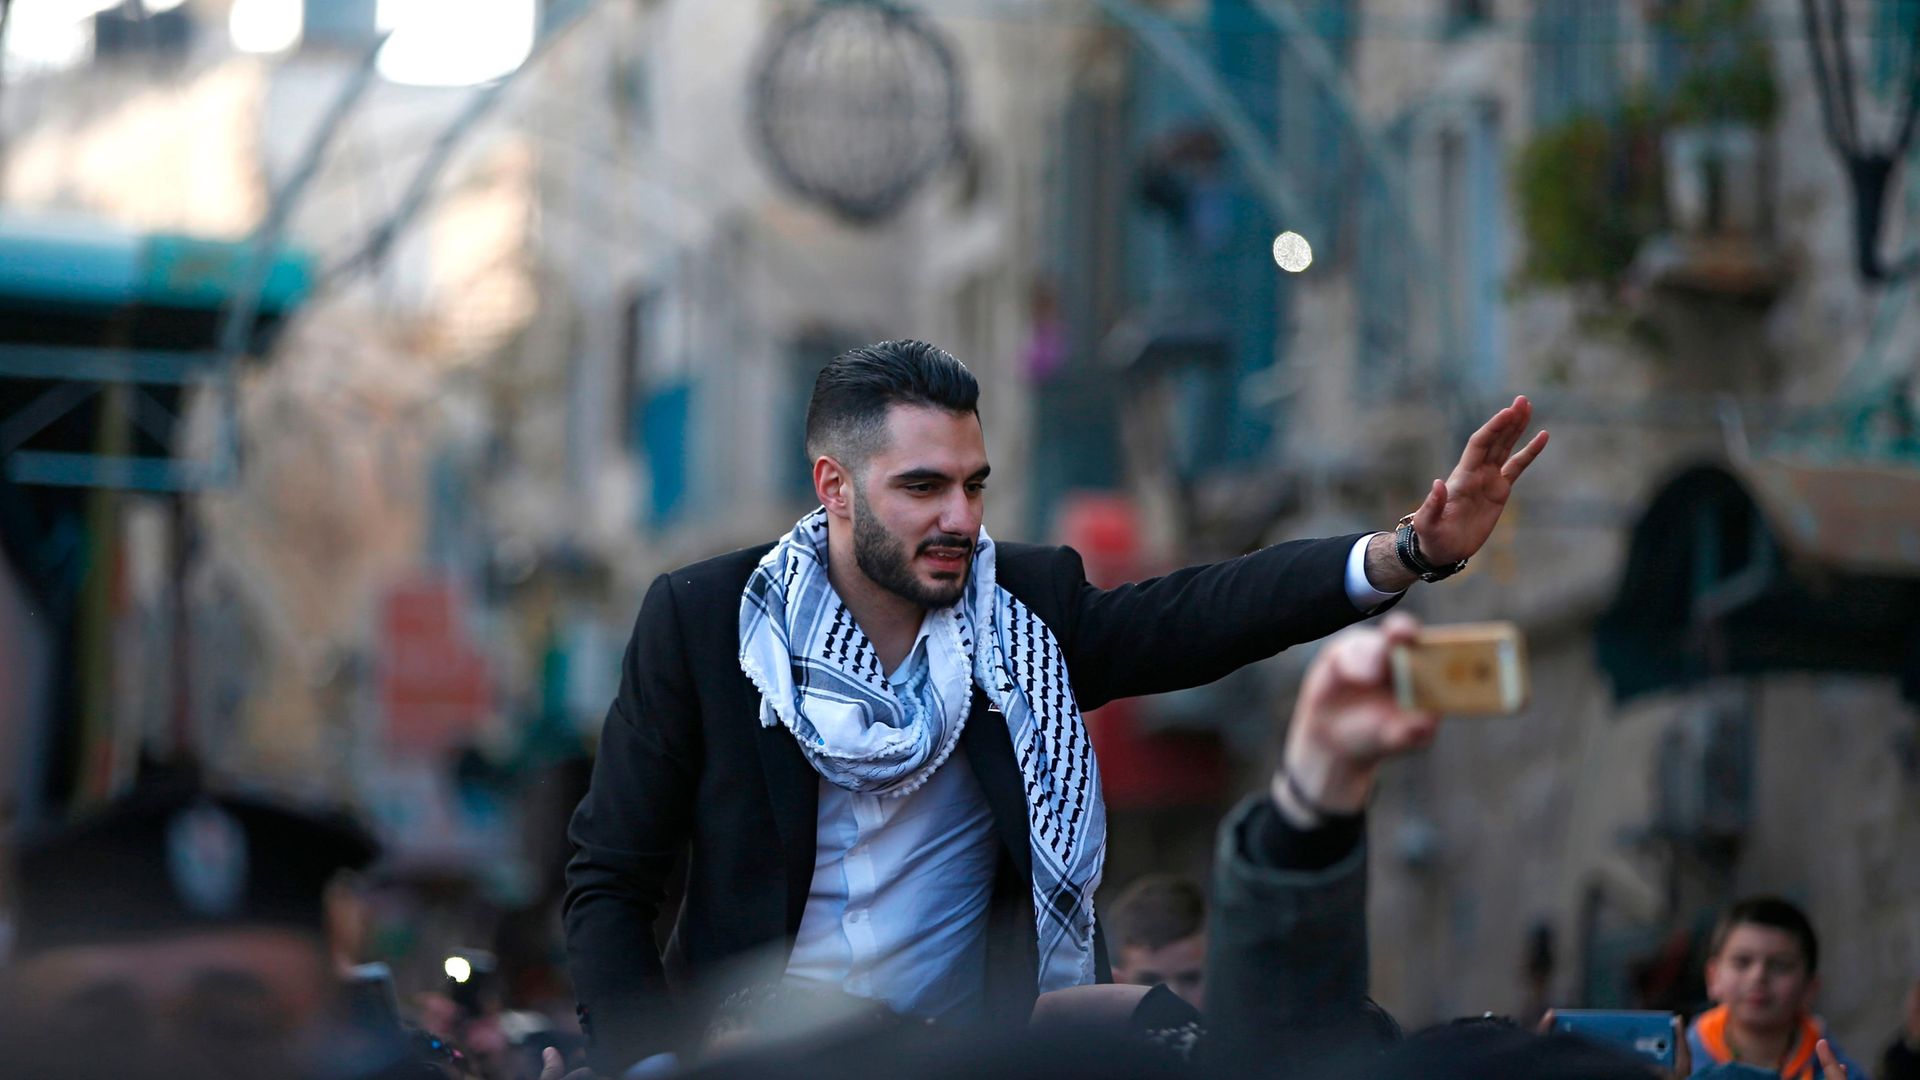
917	655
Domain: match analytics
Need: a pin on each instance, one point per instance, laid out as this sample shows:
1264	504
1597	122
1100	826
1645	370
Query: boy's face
1181	964
1761	976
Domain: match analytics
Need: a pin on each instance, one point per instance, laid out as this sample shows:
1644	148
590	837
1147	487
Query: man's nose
958	516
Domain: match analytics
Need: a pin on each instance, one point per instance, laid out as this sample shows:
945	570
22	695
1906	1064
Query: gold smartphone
1468	669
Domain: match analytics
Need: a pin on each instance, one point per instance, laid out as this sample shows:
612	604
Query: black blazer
685	774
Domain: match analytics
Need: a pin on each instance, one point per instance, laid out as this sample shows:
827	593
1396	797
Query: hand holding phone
1469	669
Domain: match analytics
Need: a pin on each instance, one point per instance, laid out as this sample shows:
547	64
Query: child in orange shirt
1762	971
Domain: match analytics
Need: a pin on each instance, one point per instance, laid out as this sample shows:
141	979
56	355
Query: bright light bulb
155	7
264	26
1292	252
458	969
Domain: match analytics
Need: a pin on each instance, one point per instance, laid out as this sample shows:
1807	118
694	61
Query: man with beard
787	713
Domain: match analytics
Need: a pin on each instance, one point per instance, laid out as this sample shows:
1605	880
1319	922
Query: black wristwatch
1407	546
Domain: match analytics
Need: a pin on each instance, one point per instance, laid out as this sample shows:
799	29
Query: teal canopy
83	263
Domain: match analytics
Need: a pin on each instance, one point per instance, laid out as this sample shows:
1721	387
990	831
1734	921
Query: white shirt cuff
1359	589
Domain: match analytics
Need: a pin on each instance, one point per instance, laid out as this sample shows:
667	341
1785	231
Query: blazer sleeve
626	834
1195	625
1286	957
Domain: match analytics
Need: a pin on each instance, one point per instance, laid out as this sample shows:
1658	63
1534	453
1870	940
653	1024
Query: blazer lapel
793	792
990	752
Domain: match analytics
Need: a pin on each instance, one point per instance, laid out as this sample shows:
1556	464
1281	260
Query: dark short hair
847	416
1158	910
1771	912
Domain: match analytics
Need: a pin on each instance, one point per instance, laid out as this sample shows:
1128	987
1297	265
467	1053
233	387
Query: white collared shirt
898	907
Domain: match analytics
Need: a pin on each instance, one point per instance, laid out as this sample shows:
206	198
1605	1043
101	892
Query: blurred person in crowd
1160	927
1902	1058
1287	936
179	932
1763	972
785	711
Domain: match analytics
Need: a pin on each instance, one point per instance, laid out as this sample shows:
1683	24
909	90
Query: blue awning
85	263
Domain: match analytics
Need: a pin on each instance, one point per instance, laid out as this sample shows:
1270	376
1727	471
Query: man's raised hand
1460	512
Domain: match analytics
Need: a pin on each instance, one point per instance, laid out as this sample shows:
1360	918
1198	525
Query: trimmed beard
883	558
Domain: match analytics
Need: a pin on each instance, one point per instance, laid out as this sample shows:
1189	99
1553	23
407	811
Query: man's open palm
1460	512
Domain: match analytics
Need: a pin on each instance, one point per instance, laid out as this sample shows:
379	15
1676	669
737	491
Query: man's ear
833	486
1713	965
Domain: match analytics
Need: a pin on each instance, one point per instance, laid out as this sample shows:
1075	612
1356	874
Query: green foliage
1727	70
1590	189
1589	193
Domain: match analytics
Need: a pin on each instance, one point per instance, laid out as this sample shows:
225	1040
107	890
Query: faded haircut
1158	910
847	416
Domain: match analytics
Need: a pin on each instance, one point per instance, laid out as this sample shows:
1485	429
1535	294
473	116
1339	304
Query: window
1458	180
1383	272
1313	138
636	340
1576	63
1893	34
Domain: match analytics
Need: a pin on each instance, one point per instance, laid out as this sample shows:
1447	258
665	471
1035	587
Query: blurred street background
362	360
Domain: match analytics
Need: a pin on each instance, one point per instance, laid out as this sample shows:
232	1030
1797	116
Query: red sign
435	687
1137	768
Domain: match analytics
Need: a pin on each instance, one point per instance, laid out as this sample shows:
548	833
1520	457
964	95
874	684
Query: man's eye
976	488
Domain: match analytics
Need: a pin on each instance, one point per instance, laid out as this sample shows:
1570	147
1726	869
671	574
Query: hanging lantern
856	104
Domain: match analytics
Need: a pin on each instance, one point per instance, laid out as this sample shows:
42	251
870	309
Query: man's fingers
1830	1065
1518	463
1418	729
552	1065
1521	414
1360	659
1481	443
1682	1050
1428	516
1399	628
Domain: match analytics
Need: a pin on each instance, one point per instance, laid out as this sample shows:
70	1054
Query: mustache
948	542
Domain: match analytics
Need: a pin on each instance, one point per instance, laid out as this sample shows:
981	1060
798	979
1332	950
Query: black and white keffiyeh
820	678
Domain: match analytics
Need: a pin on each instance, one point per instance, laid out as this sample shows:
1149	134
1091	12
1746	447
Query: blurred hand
1460	513
554	1067
1910	1018
1830	1067
1346	721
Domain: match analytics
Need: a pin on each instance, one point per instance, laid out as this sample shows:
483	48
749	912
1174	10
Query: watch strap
1406	545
